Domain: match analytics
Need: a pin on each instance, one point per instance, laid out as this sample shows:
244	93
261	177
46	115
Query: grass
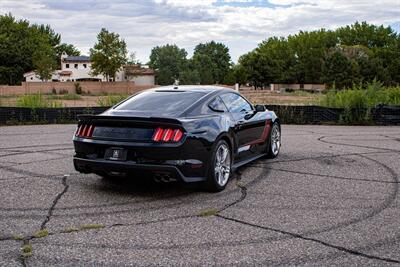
18	237
64	97
26	250
70	230
208	212
36	101
91	226
41	233
111	100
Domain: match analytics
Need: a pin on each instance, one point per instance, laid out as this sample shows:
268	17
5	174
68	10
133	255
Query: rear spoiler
125	120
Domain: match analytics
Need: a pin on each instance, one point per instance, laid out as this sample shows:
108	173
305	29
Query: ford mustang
188	133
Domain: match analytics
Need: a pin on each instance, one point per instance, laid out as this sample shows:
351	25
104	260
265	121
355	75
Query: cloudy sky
240	24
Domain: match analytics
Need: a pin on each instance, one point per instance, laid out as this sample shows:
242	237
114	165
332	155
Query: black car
190	133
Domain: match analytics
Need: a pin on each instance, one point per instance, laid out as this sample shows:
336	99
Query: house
78	68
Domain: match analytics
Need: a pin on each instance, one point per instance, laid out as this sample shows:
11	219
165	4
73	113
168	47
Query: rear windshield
161	102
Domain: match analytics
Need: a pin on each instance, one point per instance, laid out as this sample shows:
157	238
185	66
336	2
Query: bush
36	101
358	101
111	100
78	88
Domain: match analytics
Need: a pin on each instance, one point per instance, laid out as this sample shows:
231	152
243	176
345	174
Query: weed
70	230
91	226
41	233
36	101
110	100
26	250
208	212
18	237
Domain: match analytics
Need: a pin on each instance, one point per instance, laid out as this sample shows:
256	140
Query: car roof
193	88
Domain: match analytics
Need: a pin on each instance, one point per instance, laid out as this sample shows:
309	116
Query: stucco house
78	68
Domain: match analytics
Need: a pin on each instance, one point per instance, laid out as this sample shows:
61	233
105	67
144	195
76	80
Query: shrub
358	100
78	88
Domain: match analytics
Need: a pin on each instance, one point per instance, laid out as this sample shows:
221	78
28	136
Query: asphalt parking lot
330	198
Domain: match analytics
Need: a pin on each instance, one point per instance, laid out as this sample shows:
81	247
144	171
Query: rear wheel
274	145
220	167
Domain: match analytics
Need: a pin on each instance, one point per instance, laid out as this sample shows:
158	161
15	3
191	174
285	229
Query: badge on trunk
115	154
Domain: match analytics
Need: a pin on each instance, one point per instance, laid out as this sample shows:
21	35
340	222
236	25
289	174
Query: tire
220	167
275	143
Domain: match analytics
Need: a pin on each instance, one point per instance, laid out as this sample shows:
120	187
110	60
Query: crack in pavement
56	199
302	237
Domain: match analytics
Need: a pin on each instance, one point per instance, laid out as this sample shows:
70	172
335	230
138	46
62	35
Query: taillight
85	130
167	135
158	134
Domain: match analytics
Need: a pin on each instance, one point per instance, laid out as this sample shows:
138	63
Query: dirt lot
330	199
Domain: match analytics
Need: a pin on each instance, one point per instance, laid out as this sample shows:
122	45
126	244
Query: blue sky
240	24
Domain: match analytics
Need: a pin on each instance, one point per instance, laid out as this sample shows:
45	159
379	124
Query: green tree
337	70
69	49
204	65
169	61
366	34
216	56
21	48
251	67
309	49
108	54
44	62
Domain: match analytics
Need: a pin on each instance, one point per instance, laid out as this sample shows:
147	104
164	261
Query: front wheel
220	167
274	145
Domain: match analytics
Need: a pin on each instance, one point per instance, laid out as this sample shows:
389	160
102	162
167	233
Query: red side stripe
264	135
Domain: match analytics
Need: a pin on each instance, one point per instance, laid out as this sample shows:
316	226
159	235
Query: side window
235	103
217	105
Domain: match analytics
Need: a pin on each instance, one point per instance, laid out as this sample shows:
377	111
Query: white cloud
241	24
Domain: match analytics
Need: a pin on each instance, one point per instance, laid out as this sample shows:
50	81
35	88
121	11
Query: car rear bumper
103	166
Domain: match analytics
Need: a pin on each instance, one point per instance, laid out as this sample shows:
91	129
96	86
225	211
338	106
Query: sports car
189	133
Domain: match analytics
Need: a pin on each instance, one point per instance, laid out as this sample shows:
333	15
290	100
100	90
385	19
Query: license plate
115	154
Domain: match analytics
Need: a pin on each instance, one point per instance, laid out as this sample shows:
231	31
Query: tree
169	61
21	47
366	34
216	55
69	49
108	54
132	60
44	63
189	76
337	70
310	49
204	65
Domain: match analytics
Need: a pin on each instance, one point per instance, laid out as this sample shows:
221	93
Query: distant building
78	68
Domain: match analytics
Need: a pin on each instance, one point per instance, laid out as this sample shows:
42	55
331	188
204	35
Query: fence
381	115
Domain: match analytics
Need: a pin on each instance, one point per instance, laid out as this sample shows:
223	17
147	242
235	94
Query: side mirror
259	108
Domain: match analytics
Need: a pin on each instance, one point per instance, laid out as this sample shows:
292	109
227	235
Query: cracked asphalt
330	198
